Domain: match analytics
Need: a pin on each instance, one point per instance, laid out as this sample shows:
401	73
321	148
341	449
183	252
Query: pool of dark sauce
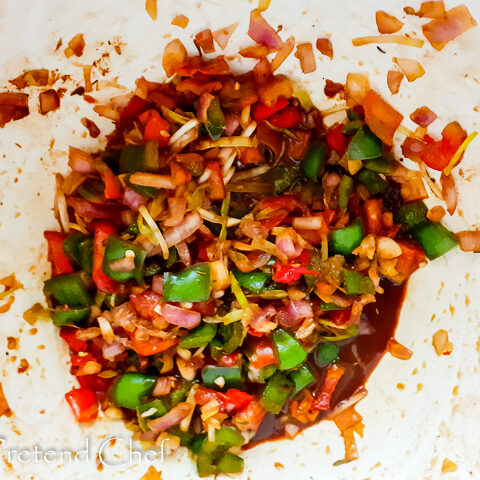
360	357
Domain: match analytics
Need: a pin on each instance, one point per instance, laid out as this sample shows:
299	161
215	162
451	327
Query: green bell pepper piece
230	463
70	316
282	178
216	119
200	336
145	407
252	281
139	158
68	290
79	250
364	145
180	393
116	249
314	160
434	238
131	388
381	164
225	438
232	335
268	371
301	377
345	190
276	392
289	349
190	285
357	284
205	466
92	189
373	181
231	375
331	306
186	438
411	214
345	240
198	442
326	353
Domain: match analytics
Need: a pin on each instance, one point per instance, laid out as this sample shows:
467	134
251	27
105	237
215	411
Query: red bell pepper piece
292	271
215	182
152	346
340	317
69	335
230	402
113	187
234	359
263	353
155	127
134	108
260	111
286	118
254	333
102	231
323	396
83	403
95	383
238	398
336	140
60	262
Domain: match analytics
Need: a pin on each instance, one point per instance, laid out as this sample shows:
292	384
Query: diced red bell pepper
155	127
340	317
254	333
134	108
95	383
260	111
323	396
113	187
230	402
69	335
286	118
215	182
102	231
152	346
250	417
336	140
79	361
280	207
293	271
83	403
234	359
263	353
60	262
238	398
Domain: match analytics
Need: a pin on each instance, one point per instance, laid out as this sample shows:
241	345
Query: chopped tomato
95	383
83	403
250	417
113	187
155	127
134	108
263	353
260	111
69	334
180	175
61	263
102	231
340	317
147	304
205	395
336	140
238	398
373	216
286	118
323	396
152	346
411	258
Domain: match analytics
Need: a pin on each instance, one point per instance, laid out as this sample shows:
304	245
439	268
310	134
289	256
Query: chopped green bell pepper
205	466
139	158
314	160
345	240
357	284
131	388
116	249
411	214
230	463
186	438
92	189
276	392
326	353
79	250
190	285
301	377
232	335
180	393
200	336
231	375
364	145
382	164
254	281
68	290
331	306
289	349
157	405
225	438
345	190
216	119
434	238
70	316
373	181
282	178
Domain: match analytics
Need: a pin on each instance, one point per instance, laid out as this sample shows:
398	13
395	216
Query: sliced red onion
177	206
285	245
180	316
170	419
263	33
80	161
133	199
163	386
111	350
262	319
190	224
184	253
231	124
299	309
157	284
203	103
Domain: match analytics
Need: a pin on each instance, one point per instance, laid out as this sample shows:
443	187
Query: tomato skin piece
261	112
60	262
155	127
69	335
83	403
289	117
340	317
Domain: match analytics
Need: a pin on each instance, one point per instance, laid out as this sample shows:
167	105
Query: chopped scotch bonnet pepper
225	246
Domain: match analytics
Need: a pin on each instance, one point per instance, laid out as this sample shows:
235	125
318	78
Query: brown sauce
360	356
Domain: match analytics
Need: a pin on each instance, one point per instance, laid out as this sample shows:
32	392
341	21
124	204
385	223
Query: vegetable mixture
219	253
